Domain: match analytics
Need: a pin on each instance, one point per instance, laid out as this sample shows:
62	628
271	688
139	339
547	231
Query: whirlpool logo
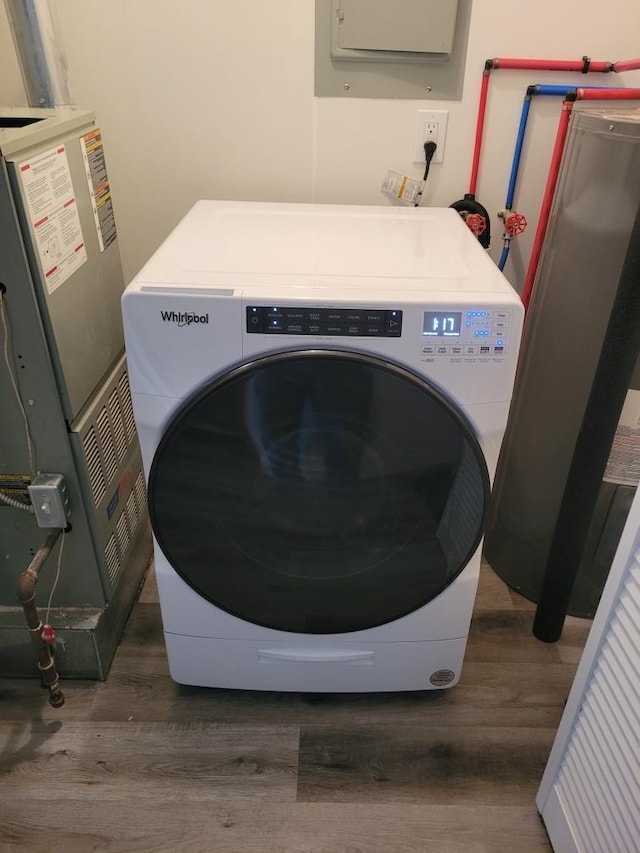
183	318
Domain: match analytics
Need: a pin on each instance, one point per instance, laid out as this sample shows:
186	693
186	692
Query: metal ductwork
40	53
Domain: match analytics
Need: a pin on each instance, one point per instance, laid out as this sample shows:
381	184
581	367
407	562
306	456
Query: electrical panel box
388	26
391	48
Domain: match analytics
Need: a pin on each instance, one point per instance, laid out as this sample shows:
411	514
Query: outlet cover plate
430	124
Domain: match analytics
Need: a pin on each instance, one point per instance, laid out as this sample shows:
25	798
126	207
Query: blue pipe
551	89
536	89
524	115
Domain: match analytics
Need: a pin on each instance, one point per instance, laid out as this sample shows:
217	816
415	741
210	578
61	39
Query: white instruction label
53	213
403	188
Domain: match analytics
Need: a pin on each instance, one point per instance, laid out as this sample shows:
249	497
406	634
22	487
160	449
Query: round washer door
319	492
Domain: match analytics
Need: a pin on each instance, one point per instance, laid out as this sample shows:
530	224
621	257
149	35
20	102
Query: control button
353	329
294	328
255	319
440	350
374	331
428	350
498	350
394	323
456	350
334	329
484	350
314	328
274	326
500	324
354	317
469	350
502	315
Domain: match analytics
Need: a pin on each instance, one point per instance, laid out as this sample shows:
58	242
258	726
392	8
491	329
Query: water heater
592	217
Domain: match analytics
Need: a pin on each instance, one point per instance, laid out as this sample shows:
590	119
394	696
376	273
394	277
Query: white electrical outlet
431	125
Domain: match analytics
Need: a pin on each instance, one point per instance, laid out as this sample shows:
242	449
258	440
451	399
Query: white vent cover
127	406
122	530
109	437
112	560
590	794
94	466
117	422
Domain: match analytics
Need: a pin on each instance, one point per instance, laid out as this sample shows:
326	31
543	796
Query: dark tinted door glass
318	492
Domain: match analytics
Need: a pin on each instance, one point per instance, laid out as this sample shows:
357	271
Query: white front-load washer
321	393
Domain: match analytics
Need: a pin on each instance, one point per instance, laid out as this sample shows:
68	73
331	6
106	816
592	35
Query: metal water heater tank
593	213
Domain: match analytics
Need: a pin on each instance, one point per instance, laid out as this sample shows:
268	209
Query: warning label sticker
403	188
53	213
14	485
99	189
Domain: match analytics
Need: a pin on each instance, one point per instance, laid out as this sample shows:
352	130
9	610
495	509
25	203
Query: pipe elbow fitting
26	587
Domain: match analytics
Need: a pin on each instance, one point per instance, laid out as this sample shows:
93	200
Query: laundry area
320	425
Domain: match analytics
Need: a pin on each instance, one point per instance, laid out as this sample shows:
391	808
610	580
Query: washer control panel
348	322
472	332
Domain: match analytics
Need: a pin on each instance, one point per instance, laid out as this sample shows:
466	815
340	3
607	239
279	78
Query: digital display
442	323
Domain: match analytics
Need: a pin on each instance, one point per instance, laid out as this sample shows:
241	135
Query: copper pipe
27	598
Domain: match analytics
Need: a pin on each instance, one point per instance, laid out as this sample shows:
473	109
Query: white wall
216	100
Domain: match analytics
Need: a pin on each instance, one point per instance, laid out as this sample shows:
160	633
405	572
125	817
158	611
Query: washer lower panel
345	667
208	647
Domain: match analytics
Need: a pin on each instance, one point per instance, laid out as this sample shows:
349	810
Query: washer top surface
344	247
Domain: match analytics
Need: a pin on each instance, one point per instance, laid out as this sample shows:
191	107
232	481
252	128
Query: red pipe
627	65
482	106
583	65
607	94
543	219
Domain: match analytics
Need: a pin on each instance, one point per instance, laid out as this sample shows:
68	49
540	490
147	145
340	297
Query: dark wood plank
488	694
204	761
422	764
506	636
132	825
24	699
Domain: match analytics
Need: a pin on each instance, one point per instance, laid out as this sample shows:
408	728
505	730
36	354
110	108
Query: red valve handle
48	635
477	223
515	224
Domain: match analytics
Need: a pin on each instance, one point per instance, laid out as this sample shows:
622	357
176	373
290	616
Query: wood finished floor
140	764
